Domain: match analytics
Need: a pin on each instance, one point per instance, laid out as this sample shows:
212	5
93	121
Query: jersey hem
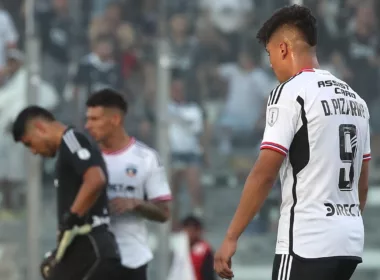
355	258
140	264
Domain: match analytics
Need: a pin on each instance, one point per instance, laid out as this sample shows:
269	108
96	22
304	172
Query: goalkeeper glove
48	264
71	227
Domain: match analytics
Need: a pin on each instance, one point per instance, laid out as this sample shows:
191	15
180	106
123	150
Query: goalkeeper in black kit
86	249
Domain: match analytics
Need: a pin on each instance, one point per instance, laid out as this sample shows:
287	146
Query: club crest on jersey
131	171
272	116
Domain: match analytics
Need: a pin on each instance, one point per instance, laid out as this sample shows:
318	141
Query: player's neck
305	62
118	141
59	130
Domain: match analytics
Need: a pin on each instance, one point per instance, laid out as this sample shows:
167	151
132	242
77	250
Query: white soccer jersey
135	172
322	127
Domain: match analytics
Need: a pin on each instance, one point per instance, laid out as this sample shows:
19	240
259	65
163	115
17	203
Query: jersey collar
132	140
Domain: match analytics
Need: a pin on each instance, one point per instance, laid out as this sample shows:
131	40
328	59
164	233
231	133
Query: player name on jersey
340	105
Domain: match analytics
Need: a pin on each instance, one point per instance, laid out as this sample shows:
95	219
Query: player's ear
283	49
40	126
116	119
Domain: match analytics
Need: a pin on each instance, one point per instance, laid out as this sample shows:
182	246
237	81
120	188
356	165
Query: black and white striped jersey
321	126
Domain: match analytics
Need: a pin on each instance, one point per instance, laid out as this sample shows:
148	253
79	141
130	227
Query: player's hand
121	205
222	259
71	227
48	264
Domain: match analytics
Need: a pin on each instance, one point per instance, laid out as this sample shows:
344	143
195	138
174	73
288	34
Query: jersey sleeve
156	185
281	121
367	146
81	153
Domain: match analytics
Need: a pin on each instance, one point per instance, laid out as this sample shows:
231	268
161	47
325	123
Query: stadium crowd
221	78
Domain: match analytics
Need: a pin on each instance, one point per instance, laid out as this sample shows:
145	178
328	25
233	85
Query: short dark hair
298	16
192	221
108	98
26	115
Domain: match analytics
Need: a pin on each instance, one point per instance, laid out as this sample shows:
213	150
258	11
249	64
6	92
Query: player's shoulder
289	90
147	153
76	140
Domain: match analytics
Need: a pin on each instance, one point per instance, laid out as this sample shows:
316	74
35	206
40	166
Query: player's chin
94	135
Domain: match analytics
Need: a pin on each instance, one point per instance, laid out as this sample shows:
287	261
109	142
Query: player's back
320	215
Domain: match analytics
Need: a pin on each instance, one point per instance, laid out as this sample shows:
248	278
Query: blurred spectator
108	23
327	15
8	39
183	47
128	57
248	90
200	250
13	98
123	35
96	70
148	20
185	130
230	18
98	6
228	15
56	34
361	48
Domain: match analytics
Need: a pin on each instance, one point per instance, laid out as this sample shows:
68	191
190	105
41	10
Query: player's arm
157	205
281	122
87	162
364	174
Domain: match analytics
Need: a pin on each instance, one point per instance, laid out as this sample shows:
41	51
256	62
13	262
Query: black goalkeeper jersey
76	154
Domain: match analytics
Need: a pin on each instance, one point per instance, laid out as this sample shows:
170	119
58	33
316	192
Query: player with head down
86	248
317	140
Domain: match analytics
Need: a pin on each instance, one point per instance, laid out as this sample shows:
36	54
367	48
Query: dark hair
108	98
22	119
297	16
192	221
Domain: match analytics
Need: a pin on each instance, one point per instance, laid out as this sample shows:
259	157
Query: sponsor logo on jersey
347	210
131	171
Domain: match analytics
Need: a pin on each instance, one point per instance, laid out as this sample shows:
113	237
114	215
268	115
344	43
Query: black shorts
139	273
91	257
287	267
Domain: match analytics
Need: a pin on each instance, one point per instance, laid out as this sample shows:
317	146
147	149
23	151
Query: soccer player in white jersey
138	188
317	140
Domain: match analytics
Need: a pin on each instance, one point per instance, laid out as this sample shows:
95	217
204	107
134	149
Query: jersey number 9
348	147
